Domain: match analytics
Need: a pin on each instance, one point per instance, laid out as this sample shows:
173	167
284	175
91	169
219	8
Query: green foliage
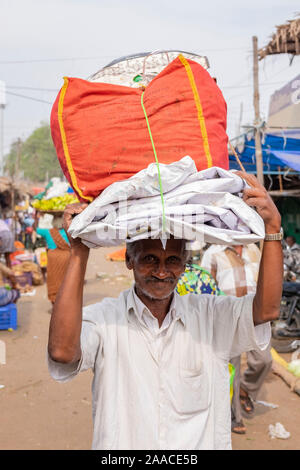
34	159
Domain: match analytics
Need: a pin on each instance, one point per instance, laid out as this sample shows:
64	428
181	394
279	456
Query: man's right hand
70	212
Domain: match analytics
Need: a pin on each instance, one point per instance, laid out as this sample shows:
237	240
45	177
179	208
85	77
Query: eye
174	260
149	259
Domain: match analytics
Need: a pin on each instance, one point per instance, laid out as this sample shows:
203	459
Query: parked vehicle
287	327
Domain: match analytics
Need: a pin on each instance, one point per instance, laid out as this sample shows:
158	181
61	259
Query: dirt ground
37	413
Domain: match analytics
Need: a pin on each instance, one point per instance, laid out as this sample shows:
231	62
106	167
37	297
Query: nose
161	271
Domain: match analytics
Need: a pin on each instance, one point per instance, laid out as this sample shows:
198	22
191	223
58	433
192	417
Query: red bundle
101	134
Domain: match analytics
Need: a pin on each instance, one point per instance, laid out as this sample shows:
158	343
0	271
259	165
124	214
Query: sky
41	41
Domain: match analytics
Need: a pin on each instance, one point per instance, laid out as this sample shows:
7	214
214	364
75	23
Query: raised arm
66	318
269	286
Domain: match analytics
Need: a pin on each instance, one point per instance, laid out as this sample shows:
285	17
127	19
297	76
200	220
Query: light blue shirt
45	233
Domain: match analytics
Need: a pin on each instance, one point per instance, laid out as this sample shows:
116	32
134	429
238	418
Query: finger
257	202
249	178
75	208
253	192
67	219
70	211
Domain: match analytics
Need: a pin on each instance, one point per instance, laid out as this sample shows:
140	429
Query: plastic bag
204	206
278	431
294	365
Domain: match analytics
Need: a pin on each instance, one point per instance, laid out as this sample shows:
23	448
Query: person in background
58	254
8	293
6	242
291	251
235	269
18	228
291	242
28	223
197	280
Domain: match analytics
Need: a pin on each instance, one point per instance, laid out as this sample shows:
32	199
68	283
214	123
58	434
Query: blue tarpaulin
279	153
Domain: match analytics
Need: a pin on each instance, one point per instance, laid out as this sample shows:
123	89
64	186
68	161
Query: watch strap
274	236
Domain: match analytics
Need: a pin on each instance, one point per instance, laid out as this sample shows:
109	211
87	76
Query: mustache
169	280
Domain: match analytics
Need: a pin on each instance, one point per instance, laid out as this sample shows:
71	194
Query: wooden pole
17	163
258	149
240	118
15	177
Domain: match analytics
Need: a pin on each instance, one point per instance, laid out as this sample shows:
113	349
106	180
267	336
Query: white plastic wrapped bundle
206	206
139	69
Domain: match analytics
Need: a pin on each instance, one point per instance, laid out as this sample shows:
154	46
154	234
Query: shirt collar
135	304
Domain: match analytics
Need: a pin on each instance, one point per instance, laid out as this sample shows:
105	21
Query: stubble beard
152	296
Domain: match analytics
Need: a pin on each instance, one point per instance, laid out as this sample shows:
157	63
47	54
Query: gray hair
131	249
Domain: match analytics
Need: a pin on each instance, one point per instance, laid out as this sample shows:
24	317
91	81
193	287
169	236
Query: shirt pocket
193	390
189	391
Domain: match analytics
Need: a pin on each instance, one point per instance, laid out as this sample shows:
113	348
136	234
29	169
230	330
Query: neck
158	307
238	249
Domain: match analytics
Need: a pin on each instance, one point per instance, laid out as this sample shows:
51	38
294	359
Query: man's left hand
258	197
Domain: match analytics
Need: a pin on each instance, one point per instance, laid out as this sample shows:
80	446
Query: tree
35	158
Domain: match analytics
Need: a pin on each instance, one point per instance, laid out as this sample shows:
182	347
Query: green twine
157	162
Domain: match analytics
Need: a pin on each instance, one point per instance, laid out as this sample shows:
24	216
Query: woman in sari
58	253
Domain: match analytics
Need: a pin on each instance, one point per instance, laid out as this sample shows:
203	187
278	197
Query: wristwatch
269	237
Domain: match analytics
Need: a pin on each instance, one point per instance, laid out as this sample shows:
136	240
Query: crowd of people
26	231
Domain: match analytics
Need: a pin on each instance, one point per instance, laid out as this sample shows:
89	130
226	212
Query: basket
51	211
8	317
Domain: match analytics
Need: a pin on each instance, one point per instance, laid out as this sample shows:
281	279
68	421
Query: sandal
247	404
238	427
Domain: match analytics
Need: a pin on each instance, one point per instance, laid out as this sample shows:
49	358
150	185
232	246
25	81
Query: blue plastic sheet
278	153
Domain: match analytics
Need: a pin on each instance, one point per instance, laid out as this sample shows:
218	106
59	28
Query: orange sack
101	135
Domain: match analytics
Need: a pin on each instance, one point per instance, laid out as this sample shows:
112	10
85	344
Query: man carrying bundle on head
160	360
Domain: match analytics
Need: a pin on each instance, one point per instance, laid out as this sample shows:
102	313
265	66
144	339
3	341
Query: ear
128	261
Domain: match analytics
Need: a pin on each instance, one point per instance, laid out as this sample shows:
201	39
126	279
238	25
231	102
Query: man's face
156	271
290	241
